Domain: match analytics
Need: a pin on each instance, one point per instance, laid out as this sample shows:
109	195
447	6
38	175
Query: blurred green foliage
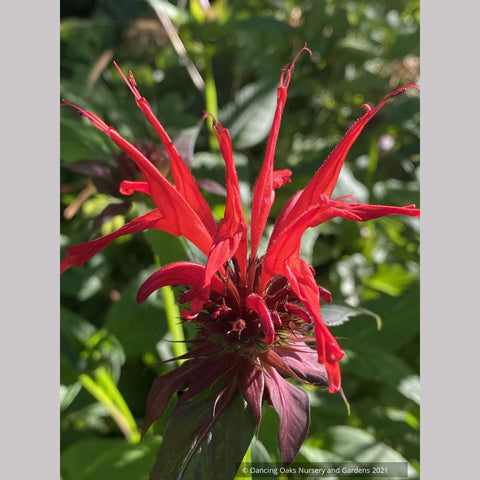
361	51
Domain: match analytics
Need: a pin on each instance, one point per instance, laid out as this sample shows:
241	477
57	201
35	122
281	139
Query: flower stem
211	104
172	313
372	167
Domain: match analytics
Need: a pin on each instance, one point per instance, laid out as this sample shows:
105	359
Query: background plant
110	346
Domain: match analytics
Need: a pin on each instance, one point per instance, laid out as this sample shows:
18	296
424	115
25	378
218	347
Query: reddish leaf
292	406
252	384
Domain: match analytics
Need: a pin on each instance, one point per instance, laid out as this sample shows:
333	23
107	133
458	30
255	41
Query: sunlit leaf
338	314
108	458
410	387
249	117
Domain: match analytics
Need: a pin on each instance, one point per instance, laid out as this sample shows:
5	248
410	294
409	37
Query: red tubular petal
128	187
334	377
184	180
264	193
230	239
286	238
79	254
233	226
324	181
285	244
180	218
280	221
302	282
370	212
255	302
282	258
276	318
174	274
281	178
298	311
325	294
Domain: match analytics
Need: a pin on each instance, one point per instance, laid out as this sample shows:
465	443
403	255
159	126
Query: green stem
128	429
372	167
211	103
172	313
173	320
369	242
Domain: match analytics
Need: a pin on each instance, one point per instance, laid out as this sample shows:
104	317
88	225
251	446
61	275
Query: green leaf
390	279
220	451
374	363
355	444
338	314
166	246
410	387
108	458
249	117
68	394
84	347
138	326
347	184
401	319
78	142
176	15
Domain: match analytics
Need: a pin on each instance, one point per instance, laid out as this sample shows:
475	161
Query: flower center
229	323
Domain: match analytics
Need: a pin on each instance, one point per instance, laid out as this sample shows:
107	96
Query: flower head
255	314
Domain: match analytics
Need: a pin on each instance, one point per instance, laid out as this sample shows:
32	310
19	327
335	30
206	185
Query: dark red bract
254	314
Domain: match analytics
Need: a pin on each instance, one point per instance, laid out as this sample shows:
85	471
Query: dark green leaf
220	451
138	326
374	363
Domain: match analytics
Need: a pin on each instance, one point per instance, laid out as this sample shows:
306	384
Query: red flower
253	313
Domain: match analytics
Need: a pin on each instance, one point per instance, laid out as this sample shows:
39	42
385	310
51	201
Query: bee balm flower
254	313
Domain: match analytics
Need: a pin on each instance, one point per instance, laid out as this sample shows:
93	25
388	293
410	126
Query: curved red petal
174	274
231	237
180	218
268	180
324	181
184	180
255	302
281	178
79	254
264	192
128	187
286	237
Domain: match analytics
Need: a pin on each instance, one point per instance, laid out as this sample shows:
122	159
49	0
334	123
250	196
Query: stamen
97	121
284	82
132	84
